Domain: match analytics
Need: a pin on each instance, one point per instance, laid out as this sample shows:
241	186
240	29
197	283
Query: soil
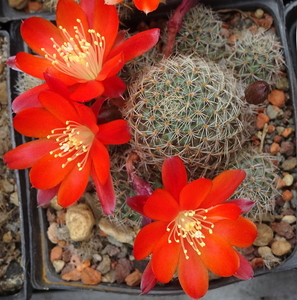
11	272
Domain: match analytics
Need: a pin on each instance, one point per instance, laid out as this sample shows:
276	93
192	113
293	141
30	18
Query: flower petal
26	155
222	211
192	274
161	206
101	163
165	258
245	271
57	85
109	27
244	204
114	87
105	193
137	203
59	107
77	181
148	279
31	64
239	233
114	133
194	193
224	185
45	196
218	256
87	91
137	45
174	176
146	6
147	238
111	67
43	31
36	122
69	20
28	98
47	172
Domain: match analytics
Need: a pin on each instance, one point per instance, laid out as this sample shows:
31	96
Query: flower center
189	226
76	56
74	140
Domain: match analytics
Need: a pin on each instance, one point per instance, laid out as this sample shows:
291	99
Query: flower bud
256	92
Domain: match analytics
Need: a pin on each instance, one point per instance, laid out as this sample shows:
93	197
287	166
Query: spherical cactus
260	182
257	56
188	107
201	33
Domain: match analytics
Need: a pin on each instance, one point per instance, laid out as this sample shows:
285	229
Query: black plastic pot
25	292
43	276
8	13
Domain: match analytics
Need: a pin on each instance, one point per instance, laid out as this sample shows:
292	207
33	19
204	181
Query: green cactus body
188	107
201	33
260	182
257	56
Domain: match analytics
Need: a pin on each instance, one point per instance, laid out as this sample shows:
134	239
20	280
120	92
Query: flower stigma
189	226
74	140
80	56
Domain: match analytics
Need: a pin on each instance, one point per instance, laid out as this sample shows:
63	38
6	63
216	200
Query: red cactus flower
84	52
146	6
194	230
69	146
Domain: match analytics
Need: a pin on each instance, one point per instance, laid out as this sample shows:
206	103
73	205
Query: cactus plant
188	107
201	33
26	82
257	56
260	182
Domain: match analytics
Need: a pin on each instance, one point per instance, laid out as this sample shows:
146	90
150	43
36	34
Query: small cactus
257	56
260	182
201	33
26	82
188	107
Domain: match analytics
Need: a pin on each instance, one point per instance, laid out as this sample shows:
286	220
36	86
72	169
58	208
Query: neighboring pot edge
25	292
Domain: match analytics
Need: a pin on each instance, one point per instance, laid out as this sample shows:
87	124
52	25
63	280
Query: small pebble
283	229
90	276
287	148
289	219
274	148
277	138
58	265
280	248
259	13
289	163
287	195
134	278
261	120
73	275
277	97
287	131
265	235
288	179
273	111
56	253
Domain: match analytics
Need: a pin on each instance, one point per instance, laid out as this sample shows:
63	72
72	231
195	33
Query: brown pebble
280	248
287	195
90	276
270	128
75	260
73	275
62	243
277	139
277	97
257	262
280	183
265	235
287	148
134	278
287	131
61	217
232	38
274	148
85	264
261	120
34	6
56	253
284	229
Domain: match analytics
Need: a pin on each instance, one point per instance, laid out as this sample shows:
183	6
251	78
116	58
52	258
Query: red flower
195	230
69	147
84	52
144	5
